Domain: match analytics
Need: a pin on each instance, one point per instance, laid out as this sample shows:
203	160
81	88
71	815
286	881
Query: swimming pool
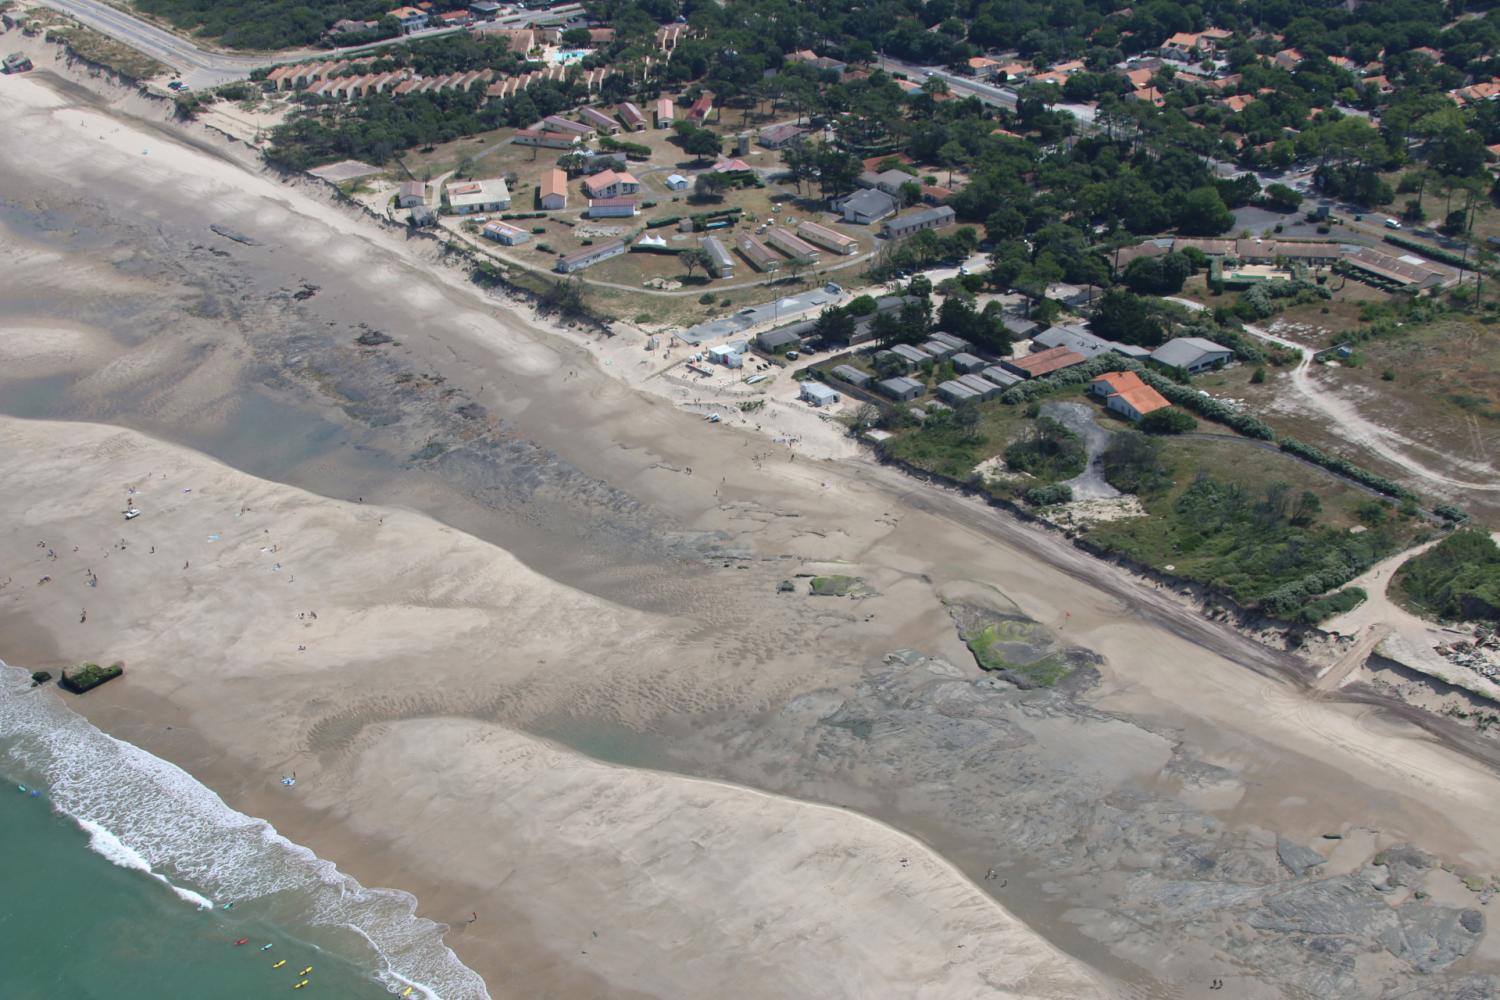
568	56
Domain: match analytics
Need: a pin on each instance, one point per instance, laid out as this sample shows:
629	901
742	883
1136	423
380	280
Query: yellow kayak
305	971
406	992
300	985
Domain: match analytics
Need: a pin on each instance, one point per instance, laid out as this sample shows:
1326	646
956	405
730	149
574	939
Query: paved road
199	67
202	67
964	86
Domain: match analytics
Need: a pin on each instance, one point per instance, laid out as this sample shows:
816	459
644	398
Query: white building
818	394
676	182
504	232
468	197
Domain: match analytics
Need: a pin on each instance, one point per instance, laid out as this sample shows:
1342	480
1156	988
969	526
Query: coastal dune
689	884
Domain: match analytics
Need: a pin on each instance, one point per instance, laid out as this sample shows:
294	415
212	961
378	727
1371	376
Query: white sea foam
145	813
101	841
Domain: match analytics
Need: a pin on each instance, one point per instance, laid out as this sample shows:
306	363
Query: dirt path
1388	444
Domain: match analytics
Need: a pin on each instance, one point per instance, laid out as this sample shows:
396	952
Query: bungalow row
590	80
546	140
600	121
631	116
929	218
589	256
719	260
758	254
793	246
827	238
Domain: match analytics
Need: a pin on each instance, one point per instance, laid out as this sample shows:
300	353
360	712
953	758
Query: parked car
1393	223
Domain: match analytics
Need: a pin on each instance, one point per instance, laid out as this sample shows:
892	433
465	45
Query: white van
1393	223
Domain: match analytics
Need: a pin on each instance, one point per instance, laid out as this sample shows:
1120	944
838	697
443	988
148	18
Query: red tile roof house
1127	395
553	192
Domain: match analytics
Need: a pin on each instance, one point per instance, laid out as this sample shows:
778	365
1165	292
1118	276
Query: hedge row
648	248
667	221
703	218
1346	468
524	215
632	150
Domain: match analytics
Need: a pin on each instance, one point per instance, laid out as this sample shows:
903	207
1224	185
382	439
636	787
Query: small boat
266	947
300	985
305	971
406	992
241	941
132	514
279	964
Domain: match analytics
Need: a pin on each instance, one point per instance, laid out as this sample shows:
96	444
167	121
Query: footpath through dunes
268	631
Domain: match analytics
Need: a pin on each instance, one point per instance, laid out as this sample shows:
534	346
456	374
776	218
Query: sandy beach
566	672
689	884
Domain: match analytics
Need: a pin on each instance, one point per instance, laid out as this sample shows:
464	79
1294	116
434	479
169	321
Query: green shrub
1168	420
1458	578
1046	496
1048	450
864	305
1450	513
1336	603
707	299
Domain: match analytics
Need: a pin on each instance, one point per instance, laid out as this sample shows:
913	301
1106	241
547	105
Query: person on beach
83	616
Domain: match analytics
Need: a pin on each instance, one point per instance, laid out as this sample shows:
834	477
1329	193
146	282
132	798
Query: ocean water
117	872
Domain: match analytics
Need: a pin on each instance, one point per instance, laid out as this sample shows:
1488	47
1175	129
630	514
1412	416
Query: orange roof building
1127	395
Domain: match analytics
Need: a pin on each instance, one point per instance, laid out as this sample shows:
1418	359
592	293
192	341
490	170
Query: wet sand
637	551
